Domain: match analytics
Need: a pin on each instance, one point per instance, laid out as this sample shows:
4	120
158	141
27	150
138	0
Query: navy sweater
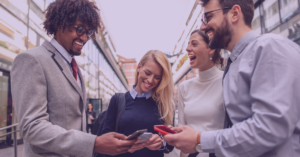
140	113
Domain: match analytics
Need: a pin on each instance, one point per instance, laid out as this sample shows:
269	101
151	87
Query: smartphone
163	129
144	137
136	134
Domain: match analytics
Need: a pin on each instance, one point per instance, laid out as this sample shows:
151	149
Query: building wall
279	17
129	67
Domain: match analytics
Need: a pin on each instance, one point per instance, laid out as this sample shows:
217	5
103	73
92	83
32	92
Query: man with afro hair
48	89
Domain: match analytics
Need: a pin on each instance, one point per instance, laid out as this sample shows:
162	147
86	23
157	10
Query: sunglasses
204	18
80	30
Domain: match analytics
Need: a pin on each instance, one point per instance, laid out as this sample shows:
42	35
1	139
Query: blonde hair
163	93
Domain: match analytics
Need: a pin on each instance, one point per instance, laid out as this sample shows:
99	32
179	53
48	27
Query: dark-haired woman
200	100
90	118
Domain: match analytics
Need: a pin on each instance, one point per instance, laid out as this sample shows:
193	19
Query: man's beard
74	53
222	36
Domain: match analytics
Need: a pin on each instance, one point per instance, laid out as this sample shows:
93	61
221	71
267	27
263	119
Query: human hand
154	143
137	146
185	139
176	129
112	144
91	117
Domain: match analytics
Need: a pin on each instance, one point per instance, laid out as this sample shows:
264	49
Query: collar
65	54
209	74
240	46
135	94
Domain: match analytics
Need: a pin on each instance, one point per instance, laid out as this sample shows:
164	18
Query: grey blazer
49	104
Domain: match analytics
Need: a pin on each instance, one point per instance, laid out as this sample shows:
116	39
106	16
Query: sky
137	26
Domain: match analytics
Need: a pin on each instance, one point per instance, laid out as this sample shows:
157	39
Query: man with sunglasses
261	87
48	89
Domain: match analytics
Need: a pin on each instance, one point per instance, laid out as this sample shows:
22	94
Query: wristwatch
198	145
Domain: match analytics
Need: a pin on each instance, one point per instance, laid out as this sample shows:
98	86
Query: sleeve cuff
164	142
90	142
208	141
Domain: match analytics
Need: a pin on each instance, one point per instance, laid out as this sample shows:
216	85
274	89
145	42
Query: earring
210	58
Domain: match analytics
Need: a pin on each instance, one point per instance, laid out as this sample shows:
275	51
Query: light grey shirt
261	95
67	58
135	94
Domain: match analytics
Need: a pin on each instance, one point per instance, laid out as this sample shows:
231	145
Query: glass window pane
32	39
288	7
3	101
256	25
271	14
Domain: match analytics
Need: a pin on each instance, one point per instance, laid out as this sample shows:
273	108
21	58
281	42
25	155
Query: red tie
74	68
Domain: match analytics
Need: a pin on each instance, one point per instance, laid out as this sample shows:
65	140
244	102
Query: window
271	14
32	39
288	8
256	24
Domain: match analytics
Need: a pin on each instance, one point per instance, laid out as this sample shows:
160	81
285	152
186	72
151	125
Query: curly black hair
63	13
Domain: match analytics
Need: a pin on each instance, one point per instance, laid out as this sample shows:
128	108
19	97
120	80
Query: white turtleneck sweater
200	102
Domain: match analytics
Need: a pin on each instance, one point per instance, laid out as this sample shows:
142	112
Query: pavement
9	152
174	153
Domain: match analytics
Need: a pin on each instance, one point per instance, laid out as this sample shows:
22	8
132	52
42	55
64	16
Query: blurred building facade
21	29
279	17
129	67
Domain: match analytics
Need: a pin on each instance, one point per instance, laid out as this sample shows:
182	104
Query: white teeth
78	43
209	34
147	84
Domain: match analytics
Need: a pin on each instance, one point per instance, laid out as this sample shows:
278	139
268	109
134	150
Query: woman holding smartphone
200	100
148	103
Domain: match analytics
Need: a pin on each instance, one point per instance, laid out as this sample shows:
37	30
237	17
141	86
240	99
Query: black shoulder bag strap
121	107
121	101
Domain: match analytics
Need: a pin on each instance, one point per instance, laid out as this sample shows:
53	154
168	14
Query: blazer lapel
64	69
83	88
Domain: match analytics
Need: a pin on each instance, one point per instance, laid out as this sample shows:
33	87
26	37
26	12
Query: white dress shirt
67	58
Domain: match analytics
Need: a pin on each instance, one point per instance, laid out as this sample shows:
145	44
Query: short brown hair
247	7
217	58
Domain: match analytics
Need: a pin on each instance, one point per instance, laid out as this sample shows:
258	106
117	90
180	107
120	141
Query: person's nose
84	37
188	48
202	27
151	79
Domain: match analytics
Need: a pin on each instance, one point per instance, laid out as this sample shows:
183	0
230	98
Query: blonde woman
148	103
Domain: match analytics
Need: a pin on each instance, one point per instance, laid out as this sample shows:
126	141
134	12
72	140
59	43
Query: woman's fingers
153	139
155	143
154	146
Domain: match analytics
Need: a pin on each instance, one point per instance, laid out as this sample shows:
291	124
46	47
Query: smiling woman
148	103
201	56
200	100
155	65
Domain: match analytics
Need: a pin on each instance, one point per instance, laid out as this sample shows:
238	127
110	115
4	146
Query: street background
129	28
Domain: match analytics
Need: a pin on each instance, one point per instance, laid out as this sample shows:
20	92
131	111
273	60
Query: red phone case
163	129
